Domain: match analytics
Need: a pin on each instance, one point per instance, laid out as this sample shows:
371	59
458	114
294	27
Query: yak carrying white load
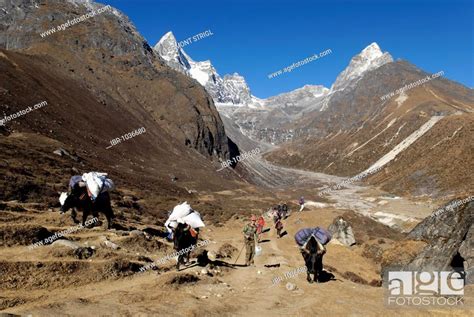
97	183
183	213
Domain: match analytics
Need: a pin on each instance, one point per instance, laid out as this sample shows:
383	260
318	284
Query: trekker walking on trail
284	211
301	203
278	223
250	235
260	225
280	208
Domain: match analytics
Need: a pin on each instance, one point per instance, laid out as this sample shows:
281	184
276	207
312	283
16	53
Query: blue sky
259	37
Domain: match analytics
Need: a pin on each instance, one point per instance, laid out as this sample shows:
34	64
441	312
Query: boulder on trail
66	243
341	230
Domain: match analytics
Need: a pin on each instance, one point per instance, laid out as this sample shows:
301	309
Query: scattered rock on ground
110	244
227	250
63	152
134	233
66	243
466	251
83	253
342	231
183	279
291	286
211	256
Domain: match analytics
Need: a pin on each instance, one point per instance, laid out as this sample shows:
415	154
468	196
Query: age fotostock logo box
419	289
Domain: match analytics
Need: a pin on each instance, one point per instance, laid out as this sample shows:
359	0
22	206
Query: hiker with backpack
301	203
278	223
311	242
250	235
260	225
284	211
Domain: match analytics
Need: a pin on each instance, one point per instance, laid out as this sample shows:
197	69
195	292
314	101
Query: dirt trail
236	291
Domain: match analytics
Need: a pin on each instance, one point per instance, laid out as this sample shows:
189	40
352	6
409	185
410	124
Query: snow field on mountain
405	143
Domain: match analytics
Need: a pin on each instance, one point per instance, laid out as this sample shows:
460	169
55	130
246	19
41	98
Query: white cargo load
97	183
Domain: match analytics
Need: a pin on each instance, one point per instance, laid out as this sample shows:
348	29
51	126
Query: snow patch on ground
329	165
315	204
395	135
405	143
335	135
447	138
401	99
391	219
375	136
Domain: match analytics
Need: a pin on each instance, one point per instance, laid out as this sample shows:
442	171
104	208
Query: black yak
79	199
313	253
184	242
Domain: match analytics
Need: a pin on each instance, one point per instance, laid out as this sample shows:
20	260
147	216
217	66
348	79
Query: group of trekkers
311	241
90	194
254	228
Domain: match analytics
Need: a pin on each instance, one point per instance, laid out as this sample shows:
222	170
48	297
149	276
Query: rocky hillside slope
421	140
108	56
101	80
444	241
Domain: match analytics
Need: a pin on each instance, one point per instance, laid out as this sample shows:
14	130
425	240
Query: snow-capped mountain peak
232	89
167	47
372	51
368	59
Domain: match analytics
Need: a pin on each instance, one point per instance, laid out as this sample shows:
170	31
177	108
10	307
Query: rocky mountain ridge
102	80
231	89
268	120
